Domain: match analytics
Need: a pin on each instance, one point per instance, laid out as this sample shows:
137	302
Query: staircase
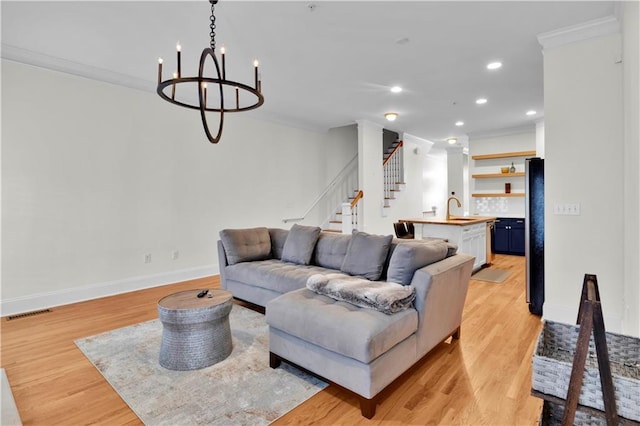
340	200
346	219
393	172
340	192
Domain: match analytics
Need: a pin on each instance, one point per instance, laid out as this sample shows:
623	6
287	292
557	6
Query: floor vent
28	314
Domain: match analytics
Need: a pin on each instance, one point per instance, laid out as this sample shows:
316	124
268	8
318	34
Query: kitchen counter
468	232
455	220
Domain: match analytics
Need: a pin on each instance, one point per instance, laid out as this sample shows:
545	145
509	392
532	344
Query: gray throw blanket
382	296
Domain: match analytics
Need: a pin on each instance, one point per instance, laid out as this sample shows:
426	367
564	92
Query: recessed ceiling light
531	112
494	65
396	89
481	101
452	140
391	116
459	123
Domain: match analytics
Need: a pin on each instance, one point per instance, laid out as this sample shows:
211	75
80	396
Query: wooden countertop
455	220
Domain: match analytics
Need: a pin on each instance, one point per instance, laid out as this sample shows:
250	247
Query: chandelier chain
212	26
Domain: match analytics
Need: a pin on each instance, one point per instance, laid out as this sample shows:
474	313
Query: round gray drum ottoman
195	331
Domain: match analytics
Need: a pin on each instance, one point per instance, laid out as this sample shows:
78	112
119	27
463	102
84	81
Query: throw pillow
411	256
366	255
246	245
278	238
300	243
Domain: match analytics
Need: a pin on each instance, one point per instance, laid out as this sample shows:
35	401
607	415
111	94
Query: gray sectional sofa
409	297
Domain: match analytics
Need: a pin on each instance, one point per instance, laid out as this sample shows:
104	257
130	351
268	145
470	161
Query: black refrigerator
534	233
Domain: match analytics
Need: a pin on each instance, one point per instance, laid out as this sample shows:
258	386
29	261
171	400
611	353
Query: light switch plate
566	209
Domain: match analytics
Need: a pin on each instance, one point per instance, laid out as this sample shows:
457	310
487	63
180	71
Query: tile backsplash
499	206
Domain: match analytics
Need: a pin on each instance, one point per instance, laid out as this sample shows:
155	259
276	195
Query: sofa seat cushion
358	333
273	274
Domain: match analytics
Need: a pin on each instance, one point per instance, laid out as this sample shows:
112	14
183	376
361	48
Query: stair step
389	198
395	190
332	230
401	183
335	221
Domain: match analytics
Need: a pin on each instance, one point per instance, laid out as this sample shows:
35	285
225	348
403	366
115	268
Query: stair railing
340	188
393	171
350	213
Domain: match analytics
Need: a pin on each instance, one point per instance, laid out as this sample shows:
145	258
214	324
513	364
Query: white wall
371	177
584	164
409	201
506	141
631	72
455	181
94	176
434	182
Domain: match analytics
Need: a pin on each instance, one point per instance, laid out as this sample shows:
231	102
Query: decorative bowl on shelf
504	169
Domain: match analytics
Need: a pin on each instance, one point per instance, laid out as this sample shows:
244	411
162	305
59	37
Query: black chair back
402	230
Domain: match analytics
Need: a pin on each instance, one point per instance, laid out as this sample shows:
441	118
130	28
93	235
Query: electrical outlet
147	258
175	255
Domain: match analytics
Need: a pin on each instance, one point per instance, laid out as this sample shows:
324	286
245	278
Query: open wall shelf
497	175
504	155
499	194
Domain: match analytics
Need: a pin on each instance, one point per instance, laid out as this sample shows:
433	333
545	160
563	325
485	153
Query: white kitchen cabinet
471	239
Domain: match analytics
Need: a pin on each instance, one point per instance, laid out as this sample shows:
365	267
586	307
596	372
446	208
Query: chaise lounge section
356	347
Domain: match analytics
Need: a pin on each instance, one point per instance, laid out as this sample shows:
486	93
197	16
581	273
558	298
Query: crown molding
591	29
526	128
24	56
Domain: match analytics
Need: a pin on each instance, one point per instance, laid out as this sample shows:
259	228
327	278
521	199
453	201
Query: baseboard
94	291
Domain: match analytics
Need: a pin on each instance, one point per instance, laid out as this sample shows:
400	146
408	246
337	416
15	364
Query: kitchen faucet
448	204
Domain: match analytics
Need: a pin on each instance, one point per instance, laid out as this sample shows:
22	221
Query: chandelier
167	89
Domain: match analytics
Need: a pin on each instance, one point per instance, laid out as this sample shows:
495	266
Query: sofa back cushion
245	245
300	244
411	256
366	255
331	250
278	238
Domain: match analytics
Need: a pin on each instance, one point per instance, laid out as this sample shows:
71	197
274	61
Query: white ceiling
321	67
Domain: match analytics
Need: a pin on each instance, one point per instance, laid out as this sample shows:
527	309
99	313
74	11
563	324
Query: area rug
241	390
491	275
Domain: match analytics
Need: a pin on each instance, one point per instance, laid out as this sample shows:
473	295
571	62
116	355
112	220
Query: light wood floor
482	379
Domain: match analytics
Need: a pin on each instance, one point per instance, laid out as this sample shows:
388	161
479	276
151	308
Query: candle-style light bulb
255	71
179	49
222	52
159	70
